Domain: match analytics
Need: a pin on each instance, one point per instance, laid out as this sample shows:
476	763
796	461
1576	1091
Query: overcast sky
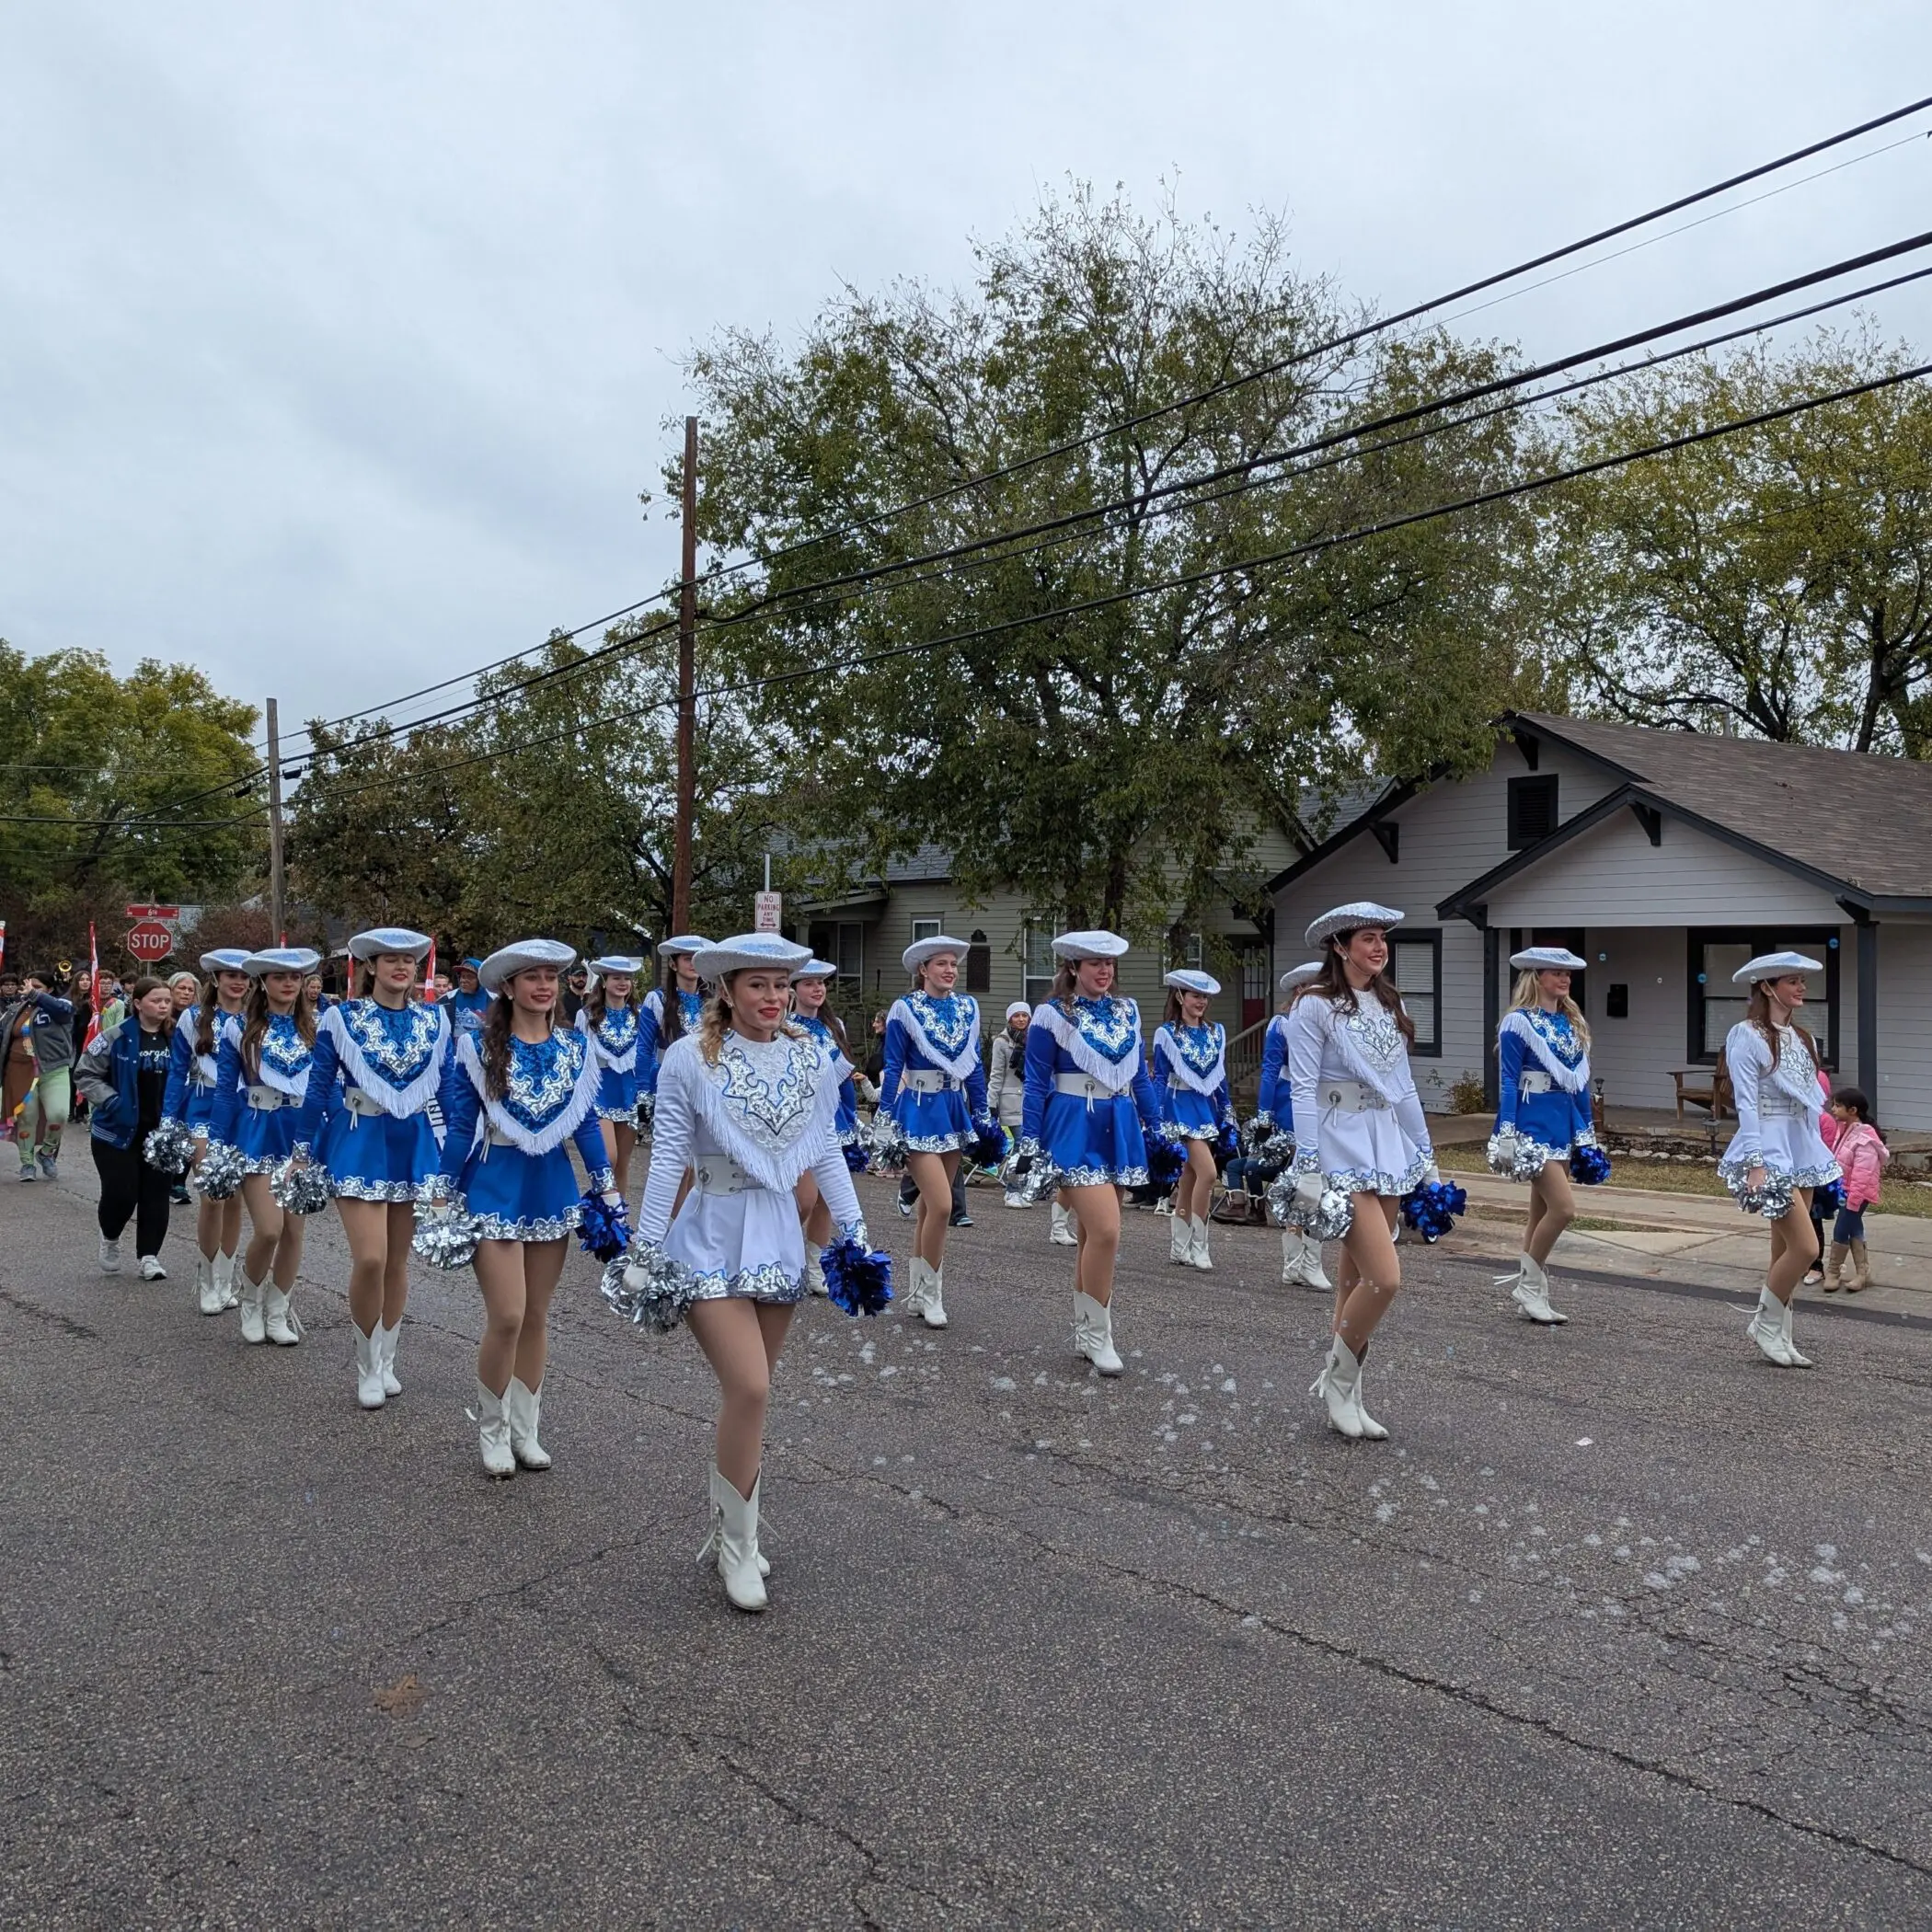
336	343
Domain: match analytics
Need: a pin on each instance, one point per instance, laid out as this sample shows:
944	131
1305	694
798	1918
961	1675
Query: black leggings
130	1187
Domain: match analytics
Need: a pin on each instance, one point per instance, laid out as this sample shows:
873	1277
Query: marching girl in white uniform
1777	1156
933	1093
1090	1108
1543	1116
749	1102
260	1080
809	1010
1360	1134
189	1099
1301	1252
616	1028
669	1010
378	1063
512	1095
1190	1083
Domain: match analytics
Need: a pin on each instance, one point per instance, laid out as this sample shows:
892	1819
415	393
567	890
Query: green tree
1116	763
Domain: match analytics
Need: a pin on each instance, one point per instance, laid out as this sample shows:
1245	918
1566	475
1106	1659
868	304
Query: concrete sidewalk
1687	1237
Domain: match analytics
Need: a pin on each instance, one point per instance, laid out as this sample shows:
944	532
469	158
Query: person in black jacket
124	1077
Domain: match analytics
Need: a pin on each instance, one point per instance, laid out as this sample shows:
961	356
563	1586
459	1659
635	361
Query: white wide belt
1084	1087
201	1079
719	1174
1534	1083
1780	1107
266	1099
1350	1097
496	1137
930	1080
357	1101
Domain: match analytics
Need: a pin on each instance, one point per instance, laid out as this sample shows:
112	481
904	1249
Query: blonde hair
716	1019
1529	993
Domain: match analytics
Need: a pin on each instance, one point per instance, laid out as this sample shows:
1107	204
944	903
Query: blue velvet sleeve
1042	1051
897	1046
649	1033
325	1065
458	1103
1510	1050
1274	1061
180	1066
226	1115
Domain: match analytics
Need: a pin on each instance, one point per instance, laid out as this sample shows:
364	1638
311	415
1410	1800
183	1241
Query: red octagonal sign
151	941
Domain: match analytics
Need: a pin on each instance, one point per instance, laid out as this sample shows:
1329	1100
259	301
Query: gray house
1666	859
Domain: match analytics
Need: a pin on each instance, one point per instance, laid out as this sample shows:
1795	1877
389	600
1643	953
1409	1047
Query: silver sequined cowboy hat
920	950
747	952
1773	966
1089	946
280	959
1547	959
503	965
1185	979
1351	918
389	938
1298	976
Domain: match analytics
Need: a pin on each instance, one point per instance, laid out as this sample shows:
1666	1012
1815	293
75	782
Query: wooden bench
1705	1086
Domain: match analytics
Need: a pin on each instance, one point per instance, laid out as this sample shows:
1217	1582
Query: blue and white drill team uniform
1544	1083
616	1043
365	1119
1191	1080
257	1116
934	1087
1090	1104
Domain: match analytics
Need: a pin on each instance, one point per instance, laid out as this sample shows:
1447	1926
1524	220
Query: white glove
1308	1187
1432	1173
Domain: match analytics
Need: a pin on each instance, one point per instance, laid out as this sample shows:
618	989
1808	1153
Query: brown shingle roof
1862	819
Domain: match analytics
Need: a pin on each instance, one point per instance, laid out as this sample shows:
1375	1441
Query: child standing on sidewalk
1862	1158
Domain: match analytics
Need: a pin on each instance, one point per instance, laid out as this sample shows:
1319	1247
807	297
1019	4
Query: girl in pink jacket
1862	1158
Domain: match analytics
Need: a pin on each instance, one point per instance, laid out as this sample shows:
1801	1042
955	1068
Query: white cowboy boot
932	1310
250	1305
385	1338
224	1266
1180	1242
208	1285
368	1366
1372	1431
814	1270
1063	1235
1337	1385
524	1409
493	1433
1309	1271
278	1318
734	1538
1198	1246
913	1297
1767	1329
1291	1255
1093	1333
1798	1360
1531	1293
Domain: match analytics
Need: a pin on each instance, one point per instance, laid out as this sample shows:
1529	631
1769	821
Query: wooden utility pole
686	703
275	900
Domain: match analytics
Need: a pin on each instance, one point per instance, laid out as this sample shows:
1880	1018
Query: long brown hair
672	1026
1332	983
255	1020
1066	980
209	1008
596	1002
1171	1016
493	1049
1757	1017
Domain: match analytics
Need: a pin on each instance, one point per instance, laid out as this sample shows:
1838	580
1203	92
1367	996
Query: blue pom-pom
218	1174
1588	1166
858	1278
169	1148
1227	1141
1828	1199
604	1232
857	1158
989	1142
1433	1208
1165	1160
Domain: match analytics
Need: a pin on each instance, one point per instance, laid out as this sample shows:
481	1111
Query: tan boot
1860	1275
1834	1266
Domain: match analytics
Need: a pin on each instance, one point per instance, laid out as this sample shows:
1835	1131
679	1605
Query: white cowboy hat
1547	959
1298	976
748	950
1185	979
920	950
280	959
685	942
390	939
507	961
616	963
1089	946
816	969
1351	918
1773	966
225	958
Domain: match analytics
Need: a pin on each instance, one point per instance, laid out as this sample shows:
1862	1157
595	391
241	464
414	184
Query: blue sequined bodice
543	1074
691	1007
1200	1046
395	1041
1556	1032
283	1048
770	1086
1108	1025
947	1019
618	1031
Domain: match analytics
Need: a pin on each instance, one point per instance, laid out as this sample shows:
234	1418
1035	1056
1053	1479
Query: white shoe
814	1270
368	1366
1063	1235
1798	1360
1335	1385
524	1409
1767	1329
1180	1243
1531	1293
152	1270
1198	1248
1310	1272
1093	1333
110	1256
1372	1431
250	1305
493	1433
224	1266
279	1319
734	1540
208	1286
932	1310
387	1339
1016	1201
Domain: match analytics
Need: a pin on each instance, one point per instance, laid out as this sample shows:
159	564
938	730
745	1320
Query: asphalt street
1623	1627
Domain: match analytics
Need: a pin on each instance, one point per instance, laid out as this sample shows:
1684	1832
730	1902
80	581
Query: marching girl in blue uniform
1301	1252
614	1026
260	1081
1190	1083
1543	1117
189	1099
378	1063
808	986
934	1096
670	1011
1089	1109
1359	1132
513	1095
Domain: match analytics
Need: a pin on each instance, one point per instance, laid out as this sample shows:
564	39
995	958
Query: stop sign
151	941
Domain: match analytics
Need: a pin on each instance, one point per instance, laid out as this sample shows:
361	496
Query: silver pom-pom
647	1111
885	1141
1328	1219
649	1288
300	1188
1773	1201
218	1176
446	1239
169	1148
1041	1178
1513	1158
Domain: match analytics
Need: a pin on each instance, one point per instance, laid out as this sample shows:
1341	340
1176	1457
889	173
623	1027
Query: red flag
93	988
429	973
